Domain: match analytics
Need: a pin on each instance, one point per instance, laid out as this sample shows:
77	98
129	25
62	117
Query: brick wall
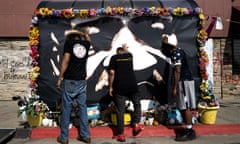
217	69
226	85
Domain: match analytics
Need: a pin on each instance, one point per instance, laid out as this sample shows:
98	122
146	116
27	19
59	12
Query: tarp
143	40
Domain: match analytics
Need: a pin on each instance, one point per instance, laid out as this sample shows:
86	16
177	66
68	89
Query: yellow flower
83	13
45	12
34	75
152	9
108	10
201	16
33	42
120	10
206	98
34	33
178	11
202	35
204	86
36	69
201	48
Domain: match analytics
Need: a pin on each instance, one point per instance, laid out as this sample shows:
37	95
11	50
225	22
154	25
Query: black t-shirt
179	58
124	81
78	50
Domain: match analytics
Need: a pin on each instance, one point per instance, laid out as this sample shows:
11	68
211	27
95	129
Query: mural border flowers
71	13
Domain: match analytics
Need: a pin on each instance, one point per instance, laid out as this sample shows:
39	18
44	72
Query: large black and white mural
142	34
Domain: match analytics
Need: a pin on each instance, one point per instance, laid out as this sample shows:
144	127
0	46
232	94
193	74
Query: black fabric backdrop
184	27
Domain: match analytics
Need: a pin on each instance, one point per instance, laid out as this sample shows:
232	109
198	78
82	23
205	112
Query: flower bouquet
33	108
207	97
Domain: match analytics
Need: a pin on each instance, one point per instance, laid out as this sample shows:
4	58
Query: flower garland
119	11
114	11
33	43
206	97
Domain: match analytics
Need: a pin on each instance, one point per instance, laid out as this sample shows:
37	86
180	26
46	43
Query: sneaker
84	139
114	137
121	138
137	129
61	141
188	135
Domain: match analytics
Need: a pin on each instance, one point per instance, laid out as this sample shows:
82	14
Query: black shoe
84	139
61	141
188	135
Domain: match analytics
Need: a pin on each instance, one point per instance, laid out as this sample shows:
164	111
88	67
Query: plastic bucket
207	114
35	121
127	118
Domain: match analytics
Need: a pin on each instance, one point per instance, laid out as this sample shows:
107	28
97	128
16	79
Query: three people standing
122	85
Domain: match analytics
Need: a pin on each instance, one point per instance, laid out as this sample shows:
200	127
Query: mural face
143	37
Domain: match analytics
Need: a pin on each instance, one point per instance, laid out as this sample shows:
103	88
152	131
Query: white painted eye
55	69
54	49
158	25
54	38
93	30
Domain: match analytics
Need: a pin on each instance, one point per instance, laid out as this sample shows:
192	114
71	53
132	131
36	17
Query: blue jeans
72	89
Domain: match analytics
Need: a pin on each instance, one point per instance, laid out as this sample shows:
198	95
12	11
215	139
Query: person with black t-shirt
122	86
72	83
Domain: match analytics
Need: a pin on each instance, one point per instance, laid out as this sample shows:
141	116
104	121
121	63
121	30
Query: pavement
226	130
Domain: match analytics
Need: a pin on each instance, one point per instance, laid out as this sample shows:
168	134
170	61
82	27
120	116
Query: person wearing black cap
183	86
122	86
72	83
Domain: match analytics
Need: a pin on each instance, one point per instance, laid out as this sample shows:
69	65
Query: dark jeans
120	109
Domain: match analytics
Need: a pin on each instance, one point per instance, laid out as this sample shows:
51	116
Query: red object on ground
149	131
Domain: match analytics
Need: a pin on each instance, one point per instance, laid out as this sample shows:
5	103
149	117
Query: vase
35	121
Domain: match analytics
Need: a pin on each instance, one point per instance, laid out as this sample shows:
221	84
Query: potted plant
208	104
33	108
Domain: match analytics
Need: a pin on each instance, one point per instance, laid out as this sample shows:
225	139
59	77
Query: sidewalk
227	123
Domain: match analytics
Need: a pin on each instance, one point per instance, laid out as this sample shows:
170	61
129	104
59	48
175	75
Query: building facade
224	45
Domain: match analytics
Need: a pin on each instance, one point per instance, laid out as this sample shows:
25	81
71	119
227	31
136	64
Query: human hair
167	46
119	50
